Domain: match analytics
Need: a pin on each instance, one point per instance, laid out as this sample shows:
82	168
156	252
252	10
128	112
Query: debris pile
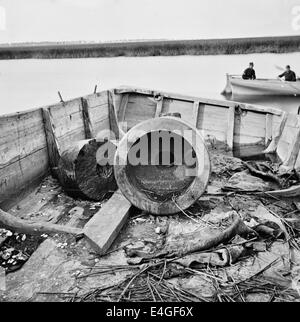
237	243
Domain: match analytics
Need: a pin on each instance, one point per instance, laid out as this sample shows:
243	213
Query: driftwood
188	243
293	191
194	242
13	223
263	175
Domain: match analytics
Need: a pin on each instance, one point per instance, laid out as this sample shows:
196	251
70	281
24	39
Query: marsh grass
153	48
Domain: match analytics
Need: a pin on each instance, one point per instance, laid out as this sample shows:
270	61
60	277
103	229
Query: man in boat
289	75
249	73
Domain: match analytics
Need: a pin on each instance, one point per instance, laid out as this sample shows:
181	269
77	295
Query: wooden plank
97	99
113	119
22	175
123	107
175	96
101	125
98	114
250	125
230	127
269	128
52	142
98	110
211	121
196	107
88	128
21	135
184	108
139	108
293	153
277	134
104	227
159	106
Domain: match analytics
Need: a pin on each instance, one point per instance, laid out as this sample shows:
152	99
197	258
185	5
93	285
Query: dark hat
288	66
251	63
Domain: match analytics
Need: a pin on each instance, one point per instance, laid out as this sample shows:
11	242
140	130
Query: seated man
289	75
249	73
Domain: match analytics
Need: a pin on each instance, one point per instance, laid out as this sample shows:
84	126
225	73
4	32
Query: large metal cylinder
162	165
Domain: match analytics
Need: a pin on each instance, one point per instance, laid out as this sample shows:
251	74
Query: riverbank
152	48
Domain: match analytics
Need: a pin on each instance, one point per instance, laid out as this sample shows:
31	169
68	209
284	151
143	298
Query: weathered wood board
250	128
288	138
104	227
139	108
23	152
98	110
223	120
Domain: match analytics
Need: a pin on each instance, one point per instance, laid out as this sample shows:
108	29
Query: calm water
26	84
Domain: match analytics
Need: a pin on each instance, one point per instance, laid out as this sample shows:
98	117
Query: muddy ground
261	267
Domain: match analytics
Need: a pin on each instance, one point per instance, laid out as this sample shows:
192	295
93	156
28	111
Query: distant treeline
153	48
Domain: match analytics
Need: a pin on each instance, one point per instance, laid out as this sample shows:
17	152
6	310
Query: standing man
249	73
289	75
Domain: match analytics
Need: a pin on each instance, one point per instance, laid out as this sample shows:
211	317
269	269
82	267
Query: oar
279	68
283	69
290	83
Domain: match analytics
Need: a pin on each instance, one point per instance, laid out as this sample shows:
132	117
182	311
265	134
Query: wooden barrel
83	173
162	165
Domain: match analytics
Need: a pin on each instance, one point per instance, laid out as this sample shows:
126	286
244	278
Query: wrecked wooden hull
29	140
60	266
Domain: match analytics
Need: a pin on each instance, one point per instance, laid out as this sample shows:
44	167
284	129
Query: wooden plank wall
98	111
250	128
23	153
211	119
24	139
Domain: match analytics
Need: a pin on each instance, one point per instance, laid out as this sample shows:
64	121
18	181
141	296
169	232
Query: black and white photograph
150	154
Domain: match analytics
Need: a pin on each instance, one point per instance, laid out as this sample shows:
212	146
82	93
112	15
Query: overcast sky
104	20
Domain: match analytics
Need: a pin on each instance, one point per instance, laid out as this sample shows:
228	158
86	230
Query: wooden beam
292	156
159	106
207	101
104	227
293	191
196	107
88	128
122	107
277	135
52	142
269	127
113	119
230	127
16	224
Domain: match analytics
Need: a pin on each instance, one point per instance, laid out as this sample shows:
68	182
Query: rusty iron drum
162	165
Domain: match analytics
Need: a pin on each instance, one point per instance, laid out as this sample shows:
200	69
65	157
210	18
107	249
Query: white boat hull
238	86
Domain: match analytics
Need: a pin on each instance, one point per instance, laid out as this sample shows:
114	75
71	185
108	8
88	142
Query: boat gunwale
227	104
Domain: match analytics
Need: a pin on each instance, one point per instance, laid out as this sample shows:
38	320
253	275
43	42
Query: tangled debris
237	243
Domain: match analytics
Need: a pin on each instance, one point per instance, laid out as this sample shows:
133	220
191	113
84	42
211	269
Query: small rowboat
236	85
